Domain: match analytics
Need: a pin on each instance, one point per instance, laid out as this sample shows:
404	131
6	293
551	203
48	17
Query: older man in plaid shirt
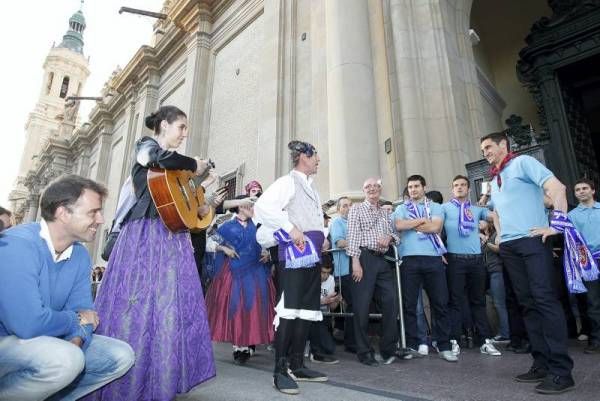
370	234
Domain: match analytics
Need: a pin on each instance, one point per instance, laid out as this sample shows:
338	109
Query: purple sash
466	222
295	257
415	213
578	261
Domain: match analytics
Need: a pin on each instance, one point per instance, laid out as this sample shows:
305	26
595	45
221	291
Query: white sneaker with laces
423	350
489	348
455	347
448	356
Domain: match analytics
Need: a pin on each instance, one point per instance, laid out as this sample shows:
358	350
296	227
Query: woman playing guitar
151	295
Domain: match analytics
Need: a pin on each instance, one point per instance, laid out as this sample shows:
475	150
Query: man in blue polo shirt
586	217
338	230
420	221
466	271
518	188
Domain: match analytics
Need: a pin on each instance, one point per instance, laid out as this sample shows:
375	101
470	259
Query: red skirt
247	326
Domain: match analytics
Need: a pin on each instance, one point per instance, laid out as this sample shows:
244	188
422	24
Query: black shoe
252	349
534	375
368	360
519	348
553	384
592	349
243	357
236	356
305	374
301	373
282	380
326	359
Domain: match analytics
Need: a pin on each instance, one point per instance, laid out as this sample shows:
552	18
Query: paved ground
475	377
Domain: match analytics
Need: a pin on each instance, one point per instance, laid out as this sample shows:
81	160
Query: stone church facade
383	88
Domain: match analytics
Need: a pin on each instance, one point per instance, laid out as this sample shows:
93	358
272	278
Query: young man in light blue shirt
466	270
420	221
518	187
586	217
338	231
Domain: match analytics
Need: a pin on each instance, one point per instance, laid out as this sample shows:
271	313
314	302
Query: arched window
64	88
49	85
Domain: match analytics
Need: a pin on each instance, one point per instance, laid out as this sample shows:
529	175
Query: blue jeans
43	367
499	298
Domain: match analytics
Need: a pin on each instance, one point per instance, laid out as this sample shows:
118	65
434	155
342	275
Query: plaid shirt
366	225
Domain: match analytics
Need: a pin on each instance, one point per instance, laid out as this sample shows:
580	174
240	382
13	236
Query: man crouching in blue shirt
47	315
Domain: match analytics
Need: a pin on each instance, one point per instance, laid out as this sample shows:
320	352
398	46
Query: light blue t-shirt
412	243
587	222
520	201
338	230
455	243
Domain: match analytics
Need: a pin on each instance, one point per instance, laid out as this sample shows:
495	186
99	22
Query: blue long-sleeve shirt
38	296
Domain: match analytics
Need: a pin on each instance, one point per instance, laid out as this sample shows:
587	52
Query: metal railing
397	262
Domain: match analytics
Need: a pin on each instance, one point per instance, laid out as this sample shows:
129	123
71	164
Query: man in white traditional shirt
291	208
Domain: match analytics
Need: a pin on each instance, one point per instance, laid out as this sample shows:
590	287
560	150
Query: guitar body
177	197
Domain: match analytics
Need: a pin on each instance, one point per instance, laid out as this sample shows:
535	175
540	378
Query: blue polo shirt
338	230
587	222
520	201
412	243
455	243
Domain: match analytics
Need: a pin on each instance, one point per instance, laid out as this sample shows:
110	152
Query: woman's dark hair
169	113
65	191
435	196
298	147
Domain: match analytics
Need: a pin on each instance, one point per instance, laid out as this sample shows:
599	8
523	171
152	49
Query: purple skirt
151	298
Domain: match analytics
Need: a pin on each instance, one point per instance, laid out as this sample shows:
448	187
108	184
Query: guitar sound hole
184	193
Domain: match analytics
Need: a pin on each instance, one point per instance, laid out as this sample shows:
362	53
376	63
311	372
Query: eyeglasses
372	186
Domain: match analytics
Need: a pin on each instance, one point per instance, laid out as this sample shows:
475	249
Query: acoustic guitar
177	194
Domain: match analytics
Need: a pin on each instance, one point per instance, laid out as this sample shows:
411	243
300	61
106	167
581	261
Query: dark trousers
528	262
321	340
516	325
427	272
349	338
467	277
378	280
593	310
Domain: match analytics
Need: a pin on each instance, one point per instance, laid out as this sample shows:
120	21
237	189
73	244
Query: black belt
372	251
465	255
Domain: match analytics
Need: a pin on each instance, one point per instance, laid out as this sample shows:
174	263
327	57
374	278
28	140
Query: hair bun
150	121
293	145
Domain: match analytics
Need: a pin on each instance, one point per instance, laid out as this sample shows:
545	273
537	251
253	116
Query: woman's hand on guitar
202	165
203	210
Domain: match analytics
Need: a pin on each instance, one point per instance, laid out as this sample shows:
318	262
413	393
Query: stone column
34	203
432	103
352	119
197	78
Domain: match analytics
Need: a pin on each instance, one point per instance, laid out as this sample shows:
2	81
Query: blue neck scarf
415	213
466	222
578	262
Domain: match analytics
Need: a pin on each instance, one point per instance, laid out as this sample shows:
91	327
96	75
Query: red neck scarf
495	171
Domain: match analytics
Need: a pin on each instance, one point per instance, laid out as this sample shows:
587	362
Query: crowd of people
277	267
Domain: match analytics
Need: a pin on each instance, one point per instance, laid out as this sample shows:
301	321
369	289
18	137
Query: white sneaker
423	350
448	356
582	337
455	347
489	348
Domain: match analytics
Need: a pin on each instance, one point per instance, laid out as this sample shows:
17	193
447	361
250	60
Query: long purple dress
151	298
